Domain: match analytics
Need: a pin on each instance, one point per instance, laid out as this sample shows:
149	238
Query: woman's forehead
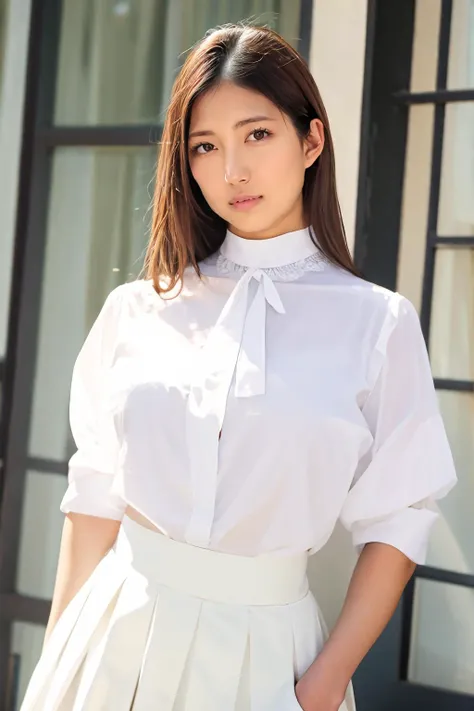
229	103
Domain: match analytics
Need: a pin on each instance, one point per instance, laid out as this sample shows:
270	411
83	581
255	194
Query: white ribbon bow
235	344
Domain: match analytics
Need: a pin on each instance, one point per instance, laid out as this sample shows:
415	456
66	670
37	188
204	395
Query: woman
228	409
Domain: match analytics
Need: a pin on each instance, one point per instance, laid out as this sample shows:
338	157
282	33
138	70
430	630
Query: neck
269	252
266	234
291	223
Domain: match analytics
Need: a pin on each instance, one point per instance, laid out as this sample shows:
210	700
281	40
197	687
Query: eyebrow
239	124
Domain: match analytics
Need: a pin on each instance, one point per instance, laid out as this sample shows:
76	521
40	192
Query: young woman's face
249	162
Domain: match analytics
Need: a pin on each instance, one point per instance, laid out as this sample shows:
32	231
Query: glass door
421	130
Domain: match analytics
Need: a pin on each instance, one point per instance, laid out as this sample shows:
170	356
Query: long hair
184	229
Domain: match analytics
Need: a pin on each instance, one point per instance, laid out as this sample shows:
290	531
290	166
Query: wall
337	63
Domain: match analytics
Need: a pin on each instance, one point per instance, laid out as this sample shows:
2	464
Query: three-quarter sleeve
92	468
410	463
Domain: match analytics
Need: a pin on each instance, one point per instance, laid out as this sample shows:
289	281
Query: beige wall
337	63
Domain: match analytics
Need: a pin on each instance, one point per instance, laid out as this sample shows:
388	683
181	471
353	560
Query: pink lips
246	202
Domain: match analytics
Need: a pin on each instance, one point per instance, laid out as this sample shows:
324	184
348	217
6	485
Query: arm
375	589
389	509
93	511
85	541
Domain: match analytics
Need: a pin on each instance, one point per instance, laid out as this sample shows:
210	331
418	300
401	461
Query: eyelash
267	133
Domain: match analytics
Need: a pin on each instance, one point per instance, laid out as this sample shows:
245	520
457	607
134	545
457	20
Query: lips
245	203
242	199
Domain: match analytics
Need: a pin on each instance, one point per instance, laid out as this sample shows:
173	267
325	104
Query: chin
251	225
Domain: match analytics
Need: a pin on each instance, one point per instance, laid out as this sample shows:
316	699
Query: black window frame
386	103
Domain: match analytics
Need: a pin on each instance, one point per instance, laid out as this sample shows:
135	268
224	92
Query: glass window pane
425	45
97	232
27	642
118	58
14	31
452	316
461	46
452	542
442	641
456	204
416	191
41	528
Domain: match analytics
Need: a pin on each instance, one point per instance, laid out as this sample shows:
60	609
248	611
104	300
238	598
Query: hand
314	693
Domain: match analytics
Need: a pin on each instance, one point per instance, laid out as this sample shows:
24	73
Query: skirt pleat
172	632
215	660
75	695
272	676
69	641
308	633
94	615
148	633
112	670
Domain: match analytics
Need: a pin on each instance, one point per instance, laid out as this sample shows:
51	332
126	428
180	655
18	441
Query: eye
260	133
207	148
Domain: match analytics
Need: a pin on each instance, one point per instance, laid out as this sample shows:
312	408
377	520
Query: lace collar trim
285	257
286	272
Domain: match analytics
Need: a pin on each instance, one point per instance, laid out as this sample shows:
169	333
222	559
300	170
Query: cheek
283	168
196	172
204	173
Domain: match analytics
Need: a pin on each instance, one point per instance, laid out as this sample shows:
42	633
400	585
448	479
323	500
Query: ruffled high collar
279	251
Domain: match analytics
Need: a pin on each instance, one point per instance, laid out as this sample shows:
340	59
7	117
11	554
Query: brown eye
260	133
207	148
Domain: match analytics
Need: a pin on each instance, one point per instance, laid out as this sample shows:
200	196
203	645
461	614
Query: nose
236	173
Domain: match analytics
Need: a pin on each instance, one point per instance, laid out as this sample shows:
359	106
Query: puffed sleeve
91	469
410	463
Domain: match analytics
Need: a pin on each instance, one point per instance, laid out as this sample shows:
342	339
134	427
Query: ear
314	142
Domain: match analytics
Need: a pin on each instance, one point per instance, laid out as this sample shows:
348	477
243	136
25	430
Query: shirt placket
236	344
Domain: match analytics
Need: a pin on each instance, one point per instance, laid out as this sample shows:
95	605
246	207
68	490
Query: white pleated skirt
165	626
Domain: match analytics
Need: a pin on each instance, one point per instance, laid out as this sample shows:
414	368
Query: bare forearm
377	583
85	540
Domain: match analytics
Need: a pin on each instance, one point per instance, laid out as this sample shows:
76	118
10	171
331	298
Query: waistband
265	579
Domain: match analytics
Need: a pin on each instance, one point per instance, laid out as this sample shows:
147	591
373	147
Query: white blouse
273	397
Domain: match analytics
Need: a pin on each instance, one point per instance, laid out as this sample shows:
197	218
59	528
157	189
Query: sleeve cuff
406	530
90	494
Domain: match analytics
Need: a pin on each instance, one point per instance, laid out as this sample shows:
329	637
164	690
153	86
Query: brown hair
184	229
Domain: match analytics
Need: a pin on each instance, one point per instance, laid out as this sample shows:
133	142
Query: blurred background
84	85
